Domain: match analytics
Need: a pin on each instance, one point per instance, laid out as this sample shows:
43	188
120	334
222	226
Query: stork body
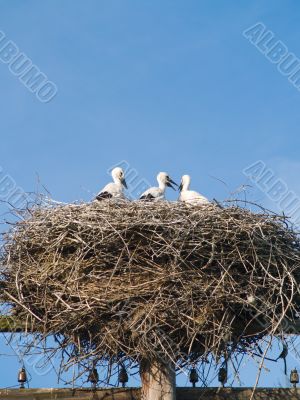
158	193
114	190
190	196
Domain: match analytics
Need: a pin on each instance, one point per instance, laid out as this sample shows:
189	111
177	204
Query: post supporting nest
158	380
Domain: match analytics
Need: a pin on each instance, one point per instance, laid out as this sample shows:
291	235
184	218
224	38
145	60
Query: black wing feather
103	196
148	197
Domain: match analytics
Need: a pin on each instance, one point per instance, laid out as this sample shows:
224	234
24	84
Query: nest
151	280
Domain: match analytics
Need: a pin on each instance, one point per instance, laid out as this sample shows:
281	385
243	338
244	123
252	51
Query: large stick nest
151	280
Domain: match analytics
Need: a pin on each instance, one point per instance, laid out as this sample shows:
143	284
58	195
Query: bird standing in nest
158	193
190	196
114	190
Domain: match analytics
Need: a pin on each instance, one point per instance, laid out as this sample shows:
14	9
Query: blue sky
164	85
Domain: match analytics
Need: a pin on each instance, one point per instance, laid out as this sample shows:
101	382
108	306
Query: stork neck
186	186
186	183
117	181
162	185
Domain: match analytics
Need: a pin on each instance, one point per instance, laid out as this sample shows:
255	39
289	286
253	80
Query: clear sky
160	85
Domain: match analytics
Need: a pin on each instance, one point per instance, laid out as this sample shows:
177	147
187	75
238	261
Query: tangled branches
151	280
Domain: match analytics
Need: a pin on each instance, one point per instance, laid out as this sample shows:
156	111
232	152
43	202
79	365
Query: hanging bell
93	377
194	378
123	377
22	378
294	377
222	376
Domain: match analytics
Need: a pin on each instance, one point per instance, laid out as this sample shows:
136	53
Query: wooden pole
158	381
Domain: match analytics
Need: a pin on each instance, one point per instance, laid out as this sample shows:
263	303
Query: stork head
185	183
119	176
164	179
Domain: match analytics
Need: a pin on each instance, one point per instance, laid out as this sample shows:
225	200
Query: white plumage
190	196
158	193
114	190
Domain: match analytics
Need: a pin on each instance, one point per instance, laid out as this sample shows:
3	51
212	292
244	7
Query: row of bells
123	377
94	377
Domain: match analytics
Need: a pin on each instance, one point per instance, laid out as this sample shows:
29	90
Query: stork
190	196
158	193
114	190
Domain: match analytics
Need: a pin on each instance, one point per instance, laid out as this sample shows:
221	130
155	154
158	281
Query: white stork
190	196
158	193
114	190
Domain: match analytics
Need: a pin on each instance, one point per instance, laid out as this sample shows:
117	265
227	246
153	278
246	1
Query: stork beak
170	183
124	183
180	187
